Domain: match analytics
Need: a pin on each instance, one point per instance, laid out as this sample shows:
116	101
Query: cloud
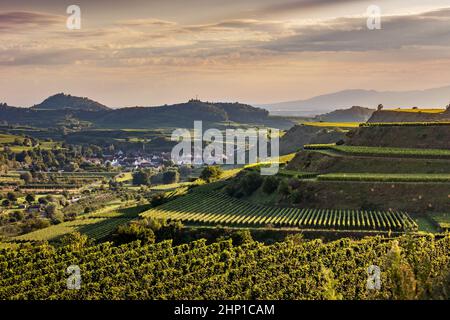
143	42
27	20
146	23
351	34
235	24
299	5
45	57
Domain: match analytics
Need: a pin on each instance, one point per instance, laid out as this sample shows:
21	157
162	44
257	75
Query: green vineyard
382	151
214	208
386	177
197	270
405	124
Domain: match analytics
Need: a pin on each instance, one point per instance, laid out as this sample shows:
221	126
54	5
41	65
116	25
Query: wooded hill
63	108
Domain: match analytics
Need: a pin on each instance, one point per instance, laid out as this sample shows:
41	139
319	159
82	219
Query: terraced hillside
400	166
417	136
213	208
325	161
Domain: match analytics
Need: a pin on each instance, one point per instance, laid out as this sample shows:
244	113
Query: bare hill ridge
353	114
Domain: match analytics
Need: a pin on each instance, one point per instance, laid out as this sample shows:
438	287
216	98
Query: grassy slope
96	225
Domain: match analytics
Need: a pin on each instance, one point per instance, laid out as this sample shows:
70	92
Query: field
383	151
297	174
8	139
94	228
416	110
95	225
285	270
443	220
387	177
332	124
214	208
405	124
57	181
283	159
124	177
12	178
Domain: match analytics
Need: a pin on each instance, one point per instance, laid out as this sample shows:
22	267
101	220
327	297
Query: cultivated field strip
214	208
197	270
388	152
95	228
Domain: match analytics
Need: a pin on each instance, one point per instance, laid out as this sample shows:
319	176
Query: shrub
171	176
251	182
30	198
33	224
16	216
238	237
26	177
297	196
43	201
11	196
294	183
132	232
53	213
270	184
284	189
231	189
211	173
76	241
141	177
158	199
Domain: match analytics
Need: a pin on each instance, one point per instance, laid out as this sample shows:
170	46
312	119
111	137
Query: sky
153	52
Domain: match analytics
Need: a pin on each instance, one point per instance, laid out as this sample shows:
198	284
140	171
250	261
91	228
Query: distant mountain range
62	110
430	98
